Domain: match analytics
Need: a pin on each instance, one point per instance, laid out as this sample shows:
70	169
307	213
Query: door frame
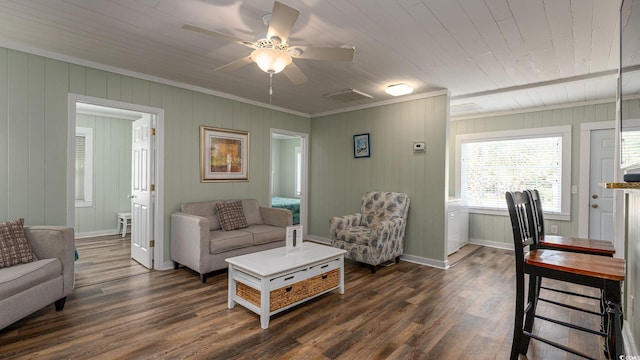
583	194
304	192
158	204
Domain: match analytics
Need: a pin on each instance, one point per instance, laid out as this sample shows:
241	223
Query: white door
142	192
602	167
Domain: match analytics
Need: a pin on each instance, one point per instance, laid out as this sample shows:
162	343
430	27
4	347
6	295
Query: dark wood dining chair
600	272
566	243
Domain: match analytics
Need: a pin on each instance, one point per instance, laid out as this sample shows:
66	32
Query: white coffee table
268	282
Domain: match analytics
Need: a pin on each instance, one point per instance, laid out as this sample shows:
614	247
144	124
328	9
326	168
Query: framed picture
224	155
361	146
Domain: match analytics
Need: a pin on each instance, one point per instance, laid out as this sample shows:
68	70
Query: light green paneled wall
495	228
33	168
111	173
287	169
337	180
275	164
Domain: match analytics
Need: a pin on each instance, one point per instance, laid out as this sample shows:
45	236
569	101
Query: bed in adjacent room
292	204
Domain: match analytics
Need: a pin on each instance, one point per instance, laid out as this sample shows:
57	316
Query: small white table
124	219
272	272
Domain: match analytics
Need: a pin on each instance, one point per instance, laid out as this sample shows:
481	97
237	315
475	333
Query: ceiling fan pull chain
270	87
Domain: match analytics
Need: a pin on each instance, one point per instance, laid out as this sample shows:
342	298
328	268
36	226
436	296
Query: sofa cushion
14	246
355	235
231	215
205	209
16	279
263	234
252	212
222	241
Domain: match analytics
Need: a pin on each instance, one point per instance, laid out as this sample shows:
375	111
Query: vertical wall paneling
112	174
4	134
36	95
56	84
495	229
18	127
37	139
338	180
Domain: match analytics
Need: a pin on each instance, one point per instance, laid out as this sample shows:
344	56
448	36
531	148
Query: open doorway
288	183
102	174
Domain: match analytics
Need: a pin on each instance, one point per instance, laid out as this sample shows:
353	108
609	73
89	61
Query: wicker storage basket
322	282
278	298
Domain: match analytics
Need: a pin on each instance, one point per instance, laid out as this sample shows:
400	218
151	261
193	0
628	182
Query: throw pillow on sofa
231	215
14	246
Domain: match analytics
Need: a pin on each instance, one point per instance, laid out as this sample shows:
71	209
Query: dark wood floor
404	311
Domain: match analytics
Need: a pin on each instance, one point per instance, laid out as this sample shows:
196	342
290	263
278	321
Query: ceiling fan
273	53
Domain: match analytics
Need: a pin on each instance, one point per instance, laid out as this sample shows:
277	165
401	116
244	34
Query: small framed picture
294	238
361	146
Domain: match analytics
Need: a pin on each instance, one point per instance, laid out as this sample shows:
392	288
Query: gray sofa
27	288
199	242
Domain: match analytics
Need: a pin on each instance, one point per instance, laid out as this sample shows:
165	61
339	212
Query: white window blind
630	147
80	166
84	167
492	163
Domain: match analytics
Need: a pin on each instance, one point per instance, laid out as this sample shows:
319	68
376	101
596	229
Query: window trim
298	169
562	131
87	133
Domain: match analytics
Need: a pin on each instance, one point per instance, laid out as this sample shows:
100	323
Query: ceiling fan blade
217	34
282	19
322	53
235	64
294	74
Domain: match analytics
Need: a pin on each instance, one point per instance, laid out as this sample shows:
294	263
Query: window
298	171
84	167
489	164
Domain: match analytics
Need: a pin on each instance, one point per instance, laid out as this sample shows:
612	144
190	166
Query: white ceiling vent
466	107
348	95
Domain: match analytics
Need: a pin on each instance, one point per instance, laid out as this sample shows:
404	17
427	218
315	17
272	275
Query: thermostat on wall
419	147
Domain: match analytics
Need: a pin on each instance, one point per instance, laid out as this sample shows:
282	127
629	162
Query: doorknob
131	196
594	206
594	196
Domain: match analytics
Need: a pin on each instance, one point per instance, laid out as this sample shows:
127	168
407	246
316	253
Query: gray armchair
26	288
376	234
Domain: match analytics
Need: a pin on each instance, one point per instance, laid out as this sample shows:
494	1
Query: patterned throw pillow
231	215
14	246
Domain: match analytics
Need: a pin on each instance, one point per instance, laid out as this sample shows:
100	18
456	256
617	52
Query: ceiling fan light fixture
270	60
398	89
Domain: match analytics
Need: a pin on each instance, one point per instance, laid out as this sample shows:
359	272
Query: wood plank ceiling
492	55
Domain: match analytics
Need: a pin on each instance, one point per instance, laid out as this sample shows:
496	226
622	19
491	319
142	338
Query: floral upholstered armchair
376	234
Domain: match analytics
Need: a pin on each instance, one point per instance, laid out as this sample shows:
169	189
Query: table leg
264	303
231	286
341	289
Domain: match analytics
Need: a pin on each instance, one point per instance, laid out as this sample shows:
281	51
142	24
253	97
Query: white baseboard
409	258
493	244
319	239
166	265
439	264
630	346
96	233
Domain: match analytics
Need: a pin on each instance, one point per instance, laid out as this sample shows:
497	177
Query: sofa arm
190	236
49	242
276	216
342	222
